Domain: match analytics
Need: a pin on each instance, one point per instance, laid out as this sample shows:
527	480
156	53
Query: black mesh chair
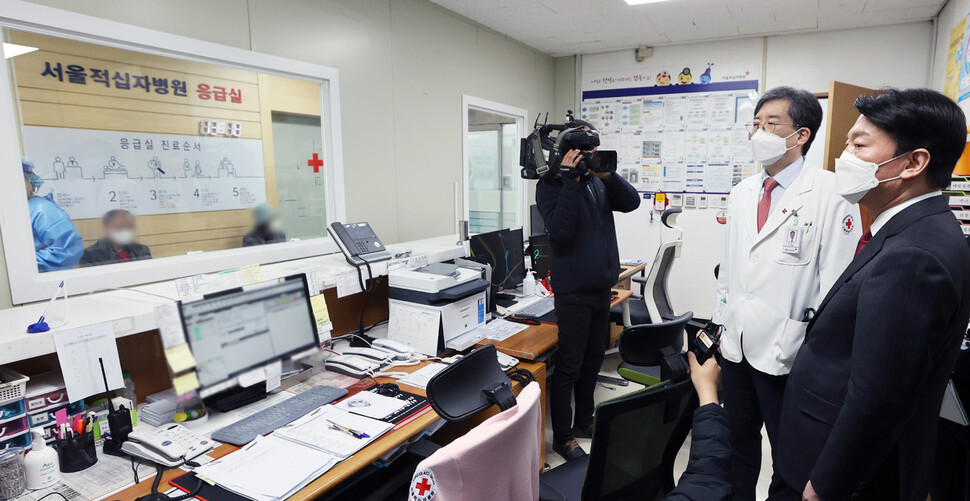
643	347
636	438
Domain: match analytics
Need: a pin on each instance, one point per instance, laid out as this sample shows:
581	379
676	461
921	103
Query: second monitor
504	251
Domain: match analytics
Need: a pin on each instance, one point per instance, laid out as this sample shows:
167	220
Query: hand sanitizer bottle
41	462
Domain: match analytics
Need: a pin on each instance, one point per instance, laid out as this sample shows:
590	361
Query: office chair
476	464
635	440
652	304
643	347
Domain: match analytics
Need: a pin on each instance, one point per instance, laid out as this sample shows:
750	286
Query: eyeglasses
768	127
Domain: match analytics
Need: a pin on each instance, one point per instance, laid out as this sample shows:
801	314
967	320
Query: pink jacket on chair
497	460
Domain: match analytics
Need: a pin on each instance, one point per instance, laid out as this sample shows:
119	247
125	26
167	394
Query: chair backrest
470	385
641	344
635	441
655	290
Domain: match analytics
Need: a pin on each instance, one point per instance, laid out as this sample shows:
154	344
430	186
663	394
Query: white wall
897	56
404	65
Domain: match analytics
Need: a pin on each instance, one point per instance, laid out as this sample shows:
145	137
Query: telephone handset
168	445
359	243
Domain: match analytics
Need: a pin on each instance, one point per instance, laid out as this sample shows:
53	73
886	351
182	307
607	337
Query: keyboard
271	418
537	309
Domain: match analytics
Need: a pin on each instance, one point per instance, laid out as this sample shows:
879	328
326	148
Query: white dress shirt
888	214
785	178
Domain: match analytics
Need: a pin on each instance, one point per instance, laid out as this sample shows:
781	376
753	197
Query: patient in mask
268	229
118	243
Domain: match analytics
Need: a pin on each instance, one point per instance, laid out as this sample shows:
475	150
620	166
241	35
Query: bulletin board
185	146
677	138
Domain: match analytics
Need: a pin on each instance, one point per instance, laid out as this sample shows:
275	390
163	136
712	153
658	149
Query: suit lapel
898	223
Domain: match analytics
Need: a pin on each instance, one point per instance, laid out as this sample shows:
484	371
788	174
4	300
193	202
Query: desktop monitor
504	251
241	329
540	252
537	226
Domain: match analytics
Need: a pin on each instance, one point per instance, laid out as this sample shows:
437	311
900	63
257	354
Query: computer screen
242	329
540	251
504	251
538	226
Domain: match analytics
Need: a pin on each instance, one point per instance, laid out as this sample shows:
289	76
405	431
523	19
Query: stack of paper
268	469
158	412
372	405
315	430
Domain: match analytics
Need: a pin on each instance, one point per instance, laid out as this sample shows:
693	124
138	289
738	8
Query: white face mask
122	237
275	225
769	148
854	177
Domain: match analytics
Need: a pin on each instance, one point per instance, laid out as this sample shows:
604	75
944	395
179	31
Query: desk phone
358	242
168	445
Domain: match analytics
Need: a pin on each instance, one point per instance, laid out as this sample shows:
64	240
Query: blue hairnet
28	166
264	213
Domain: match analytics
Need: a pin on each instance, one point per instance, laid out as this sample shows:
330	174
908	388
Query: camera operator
577	208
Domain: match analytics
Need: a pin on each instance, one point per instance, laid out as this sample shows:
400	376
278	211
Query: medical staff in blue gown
56	241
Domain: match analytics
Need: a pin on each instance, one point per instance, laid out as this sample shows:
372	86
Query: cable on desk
45	496
122	289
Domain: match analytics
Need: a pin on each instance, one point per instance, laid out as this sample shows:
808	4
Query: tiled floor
604	393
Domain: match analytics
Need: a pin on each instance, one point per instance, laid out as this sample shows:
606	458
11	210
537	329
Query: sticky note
249	378
320	311
251	274
180	358
186	383
274	372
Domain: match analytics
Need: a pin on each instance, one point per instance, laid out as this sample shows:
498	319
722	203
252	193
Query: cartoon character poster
964	58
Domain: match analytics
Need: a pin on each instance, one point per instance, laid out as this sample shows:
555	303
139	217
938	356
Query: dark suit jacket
102	252
862	401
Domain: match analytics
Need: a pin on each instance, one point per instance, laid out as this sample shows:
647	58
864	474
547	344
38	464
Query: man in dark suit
860	410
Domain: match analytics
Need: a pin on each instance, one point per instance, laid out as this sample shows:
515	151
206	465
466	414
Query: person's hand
704	378
571	159
809	494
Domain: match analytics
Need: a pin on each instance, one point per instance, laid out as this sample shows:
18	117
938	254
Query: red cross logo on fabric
423	486
315	162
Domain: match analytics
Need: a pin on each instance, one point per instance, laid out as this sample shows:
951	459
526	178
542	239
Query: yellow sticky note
320	311
186	383
251	274
180	358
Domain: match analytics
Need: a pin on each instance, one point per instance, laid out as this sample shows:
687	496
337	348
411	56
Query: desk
536	340
627	272
385	444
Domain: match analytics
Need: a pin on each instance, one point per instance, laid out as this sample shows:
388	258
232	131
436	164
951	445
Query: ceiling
566	27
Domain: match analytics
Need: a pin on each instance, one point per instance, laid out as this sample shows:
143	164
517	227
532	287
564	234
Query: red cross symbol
422	486
315	162
784	211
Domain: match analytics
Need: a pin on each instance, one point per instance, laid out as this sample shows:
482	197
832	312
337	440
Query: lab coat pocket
806	249
789	342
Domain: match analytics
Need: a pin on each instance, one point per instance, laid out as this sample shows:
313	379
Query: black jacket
860	412
257	237
579	219
706	477
103	252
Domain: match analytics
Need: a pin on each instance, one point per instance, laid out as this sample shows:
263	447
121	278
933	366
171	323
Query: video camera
706	342
541	153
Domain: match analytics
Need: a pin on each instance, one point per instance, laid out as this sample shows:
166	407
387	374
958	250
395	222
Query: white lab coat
763	292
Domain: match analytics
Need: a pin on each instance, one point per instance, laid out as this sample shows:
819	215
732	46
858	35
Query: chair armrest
639	280
423	448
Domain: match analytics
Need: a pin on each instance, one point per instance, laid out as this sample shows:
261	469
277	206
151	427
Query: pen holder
76	453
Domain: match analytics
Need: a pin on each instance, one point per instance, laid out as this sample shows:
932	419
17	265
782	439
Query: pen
49	303
350	431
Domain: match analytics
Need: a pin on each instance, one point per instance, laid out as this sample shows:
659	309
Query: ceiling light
14	50
640	2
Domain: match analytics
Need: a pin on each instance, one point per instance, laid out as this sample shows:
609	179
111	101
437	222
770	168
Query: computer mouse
388	389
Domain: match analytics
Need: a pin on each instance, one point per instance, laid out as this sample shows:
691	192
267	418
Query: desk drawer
43	418
51	399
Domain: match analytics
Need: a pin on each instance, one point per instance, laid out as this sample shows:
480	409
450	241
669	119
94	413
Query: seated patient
118	243
268	228
706	478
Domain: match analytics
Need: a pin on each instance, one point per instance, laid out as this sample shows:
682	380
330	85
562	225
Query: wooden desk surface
386	443
627	271
536	340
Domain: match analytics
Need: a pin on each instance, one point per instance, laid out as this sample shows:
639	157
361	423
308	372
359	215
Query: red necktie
765	204
866	237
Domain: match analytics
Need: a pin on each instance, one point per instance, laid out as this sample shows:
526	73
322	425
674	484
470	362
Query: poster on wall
955	51
676	119
963	59
89	172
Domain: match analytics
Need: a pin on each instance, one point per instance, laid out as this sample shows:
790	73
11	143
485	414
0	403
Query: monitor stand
237	397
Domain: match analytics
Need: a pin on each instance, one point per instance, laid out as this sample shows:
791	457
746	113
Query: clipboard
189	482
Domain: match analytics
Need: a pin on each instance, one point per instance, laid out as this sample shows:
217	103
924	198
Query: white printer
457	292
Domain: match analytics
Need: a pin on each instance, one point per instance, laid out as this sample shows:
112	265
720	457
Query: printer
457	291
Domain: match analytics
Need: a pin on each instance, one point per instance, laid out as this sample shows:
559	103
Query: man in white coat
789	238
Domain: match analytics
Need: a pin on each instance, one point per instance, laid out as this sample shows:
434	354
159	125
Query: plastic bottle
129	388
41	462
